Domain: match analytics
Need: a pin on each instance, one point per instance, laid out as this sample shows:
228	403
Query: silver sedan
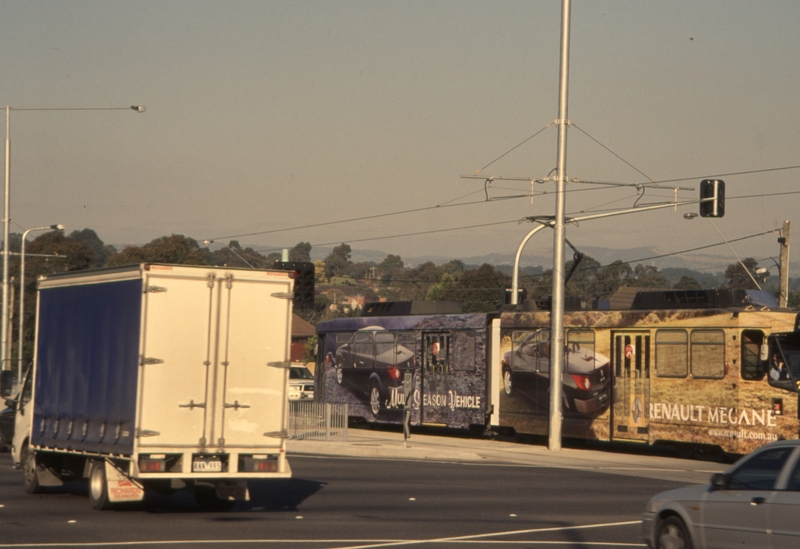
755	503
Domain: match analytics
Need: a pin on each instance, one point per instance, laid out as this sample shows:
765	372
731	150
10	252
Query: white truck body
158	377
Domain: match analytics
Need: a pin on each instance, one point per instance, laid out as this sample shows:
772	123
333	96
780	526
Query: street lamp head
57	227
690	215
139	108
207	242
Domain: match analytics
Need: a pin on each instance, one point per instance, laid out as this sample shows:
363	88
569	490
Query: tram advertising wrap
364	362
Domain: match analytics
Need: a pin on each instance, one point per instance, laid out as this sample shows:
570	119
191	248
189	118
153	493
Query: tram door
631	351
437	351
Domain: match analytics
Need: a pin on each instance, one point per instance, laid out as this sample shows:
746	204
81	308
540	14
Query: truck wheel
30	477
207	500
98	487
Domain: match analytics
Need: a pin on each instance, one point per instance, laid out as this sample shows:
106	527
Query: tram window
672	353
752	367
582	343
464	351
437	353
708	354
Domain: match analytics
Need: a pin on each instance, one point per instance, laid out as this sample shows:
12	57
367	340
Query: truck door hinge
211	278
150	360
154	289
192	405
236	405
284	364
146	433
277	434
283	295
228	281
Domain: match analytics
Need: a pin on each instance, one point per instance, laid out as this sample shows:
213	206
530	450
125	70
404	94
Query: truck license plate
206	466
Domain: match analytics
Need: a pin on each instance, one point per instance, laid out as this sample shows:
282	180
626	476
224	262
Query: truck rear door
208	339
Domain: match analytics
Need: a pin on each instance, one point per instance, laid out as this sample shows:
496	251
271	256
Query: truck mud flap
121	488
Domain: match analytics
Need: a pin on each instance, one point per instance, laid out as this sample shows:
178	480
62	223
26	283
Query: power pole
783	240
557	347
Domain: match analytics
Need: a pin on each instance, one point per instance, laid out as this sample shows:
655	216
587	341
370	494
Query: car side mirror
719	481
11	403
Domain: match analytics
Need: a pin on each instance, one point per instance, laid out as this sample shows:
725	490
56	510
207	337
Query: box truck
157	377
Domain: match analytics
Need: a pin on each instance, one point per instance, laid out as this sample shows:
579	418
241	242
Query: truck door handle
192	405
236	405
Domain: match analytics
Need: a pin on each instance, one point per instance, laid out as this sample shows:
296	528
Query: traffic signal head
304	275
715	190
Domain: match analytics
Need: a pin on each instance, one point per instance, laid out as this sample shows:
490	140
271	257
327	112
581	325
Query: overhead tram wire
467	227
387	237
717	175
382	215
670	254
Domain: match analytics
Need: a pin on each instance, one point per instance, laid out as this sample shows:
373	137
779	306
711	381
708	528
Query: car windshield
300	373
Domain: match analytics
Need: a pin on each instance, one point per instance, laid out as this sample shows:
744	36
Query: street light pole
57	227
5	359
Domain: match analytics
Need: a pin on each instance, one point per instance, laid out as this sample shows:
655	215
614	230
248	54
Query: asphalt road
335	502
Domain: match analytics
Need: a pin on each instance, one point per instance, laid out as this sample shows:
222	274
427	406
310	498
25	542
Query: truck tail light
152	464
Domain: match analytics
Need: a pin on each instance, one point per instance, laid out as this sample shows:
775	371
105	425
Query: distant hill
714	264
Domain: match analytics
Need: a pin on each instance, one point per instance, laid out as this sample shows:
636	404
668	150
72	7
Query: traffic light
304	275
712	188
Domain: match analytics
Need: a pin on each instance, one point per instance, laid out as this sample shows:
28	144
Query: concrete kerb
367	444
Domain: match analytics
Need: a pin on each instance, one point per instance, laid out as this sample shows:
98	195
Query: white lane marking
495	534
471	539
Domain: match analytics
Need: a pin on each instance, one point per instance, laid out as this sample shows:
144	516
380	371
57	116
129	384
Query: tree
301	252
102	252
337	261
414	283
439	292
647	276
687	283
390	265
479	290
233	255
585	280
740	275
611	277
176	249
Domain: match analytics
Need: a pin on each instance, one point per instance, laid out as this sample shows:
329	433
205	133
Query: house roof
301	328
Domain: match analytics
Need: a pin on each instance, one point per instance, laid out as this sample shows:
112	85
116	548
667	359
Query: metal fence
317	421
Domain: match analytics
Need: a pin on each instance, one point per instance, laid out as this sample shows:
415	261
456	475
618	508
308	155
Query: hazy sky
264	116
